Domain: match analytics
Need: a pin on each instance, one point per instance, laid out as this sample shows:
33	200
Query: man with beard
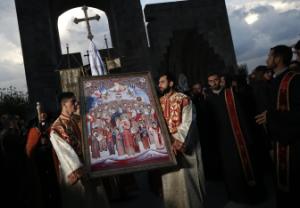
214	83
234	135
209	136
184	185
282	120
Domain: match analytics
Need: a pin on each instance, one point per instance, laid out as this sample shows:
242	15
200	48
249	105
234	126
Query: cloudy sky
256	25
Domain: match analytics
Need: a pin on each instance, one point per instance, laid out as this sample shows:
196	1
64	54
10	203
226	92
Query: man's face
164	84
297	53
197	89
234	83
43	116
268	75
272	61
222	81
70	105
214	82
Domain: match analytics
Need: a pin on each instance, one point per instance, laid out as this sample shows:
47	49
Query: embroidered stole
239	137
282	151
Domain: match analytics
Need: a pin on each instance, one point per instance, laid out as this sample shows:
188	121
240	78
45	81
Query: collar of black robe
276	74
217	92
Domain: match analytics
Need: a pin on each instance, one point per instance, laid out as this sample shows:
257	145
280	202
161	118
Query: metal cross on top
87	20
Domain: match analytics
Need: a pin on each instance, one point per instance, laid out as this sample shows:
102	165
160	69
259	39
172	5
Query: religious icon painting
124	129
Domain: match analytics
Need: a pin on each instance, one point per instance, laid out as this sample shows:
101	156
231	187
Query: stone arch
41	46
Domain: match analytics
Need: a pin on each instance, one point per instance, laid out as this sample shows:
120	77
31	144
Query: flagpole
68	56
106	43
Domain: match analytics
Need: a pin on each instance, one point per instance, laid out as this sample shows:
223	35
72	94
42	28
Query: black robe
236	184
208	140
284	127
254	100
40	155
261	91
46	174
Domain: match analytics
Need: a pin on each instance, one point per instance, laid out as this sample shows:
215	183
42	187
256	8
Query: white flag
96	63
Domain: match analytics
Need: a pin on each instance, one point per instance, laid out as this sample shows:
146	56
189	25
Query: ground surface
216	196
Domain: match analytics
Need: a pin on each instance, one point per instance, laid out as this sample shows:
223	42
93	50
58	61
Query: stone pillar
41	51
129	34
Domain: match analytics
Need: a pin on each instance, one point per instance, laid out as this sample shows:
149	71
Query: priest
239	146
282	120
184	185
65	136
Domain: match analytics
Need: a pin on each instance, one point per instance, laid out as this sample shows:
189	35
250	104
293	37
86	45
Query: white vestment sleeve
183	128
68	159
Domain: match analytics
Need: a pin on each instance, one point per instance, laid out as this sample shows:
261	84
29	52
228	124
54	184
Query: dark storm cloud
273	27
280	26
261	9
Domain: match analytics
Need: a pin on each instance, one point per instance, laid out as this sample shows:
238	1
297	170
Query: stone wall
207	18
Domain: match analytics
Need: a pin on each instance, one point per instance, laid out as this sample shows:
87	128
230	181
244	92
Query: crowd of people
242	128
249	127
